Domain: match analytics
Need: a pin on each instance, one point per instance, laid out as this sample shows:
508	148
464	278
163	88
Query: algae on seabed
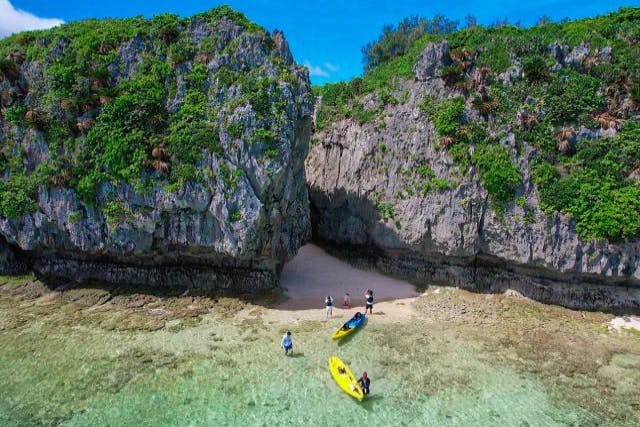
83	357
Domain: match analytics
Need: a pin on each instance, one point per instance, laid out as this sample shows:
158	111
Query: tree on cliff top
396	40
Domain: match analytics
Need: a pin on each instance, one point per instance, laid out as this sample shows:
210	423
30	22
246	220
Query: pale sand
625	322
313	274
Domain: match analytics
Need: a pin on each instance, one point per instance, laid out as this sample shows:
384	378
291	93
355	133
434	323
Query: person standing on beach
329	303
369	298
346	301
287	343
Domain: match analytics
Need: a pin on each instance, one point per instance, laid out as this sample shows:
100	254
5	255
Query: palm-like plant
565	137
485	103
447	141
60	179
589	61
85	125
463	57
8	70
451	74
159	159
36	118
607	120
526	119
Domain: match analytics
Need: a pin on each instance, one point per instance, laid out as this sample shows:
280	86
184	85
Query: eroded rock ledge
489	274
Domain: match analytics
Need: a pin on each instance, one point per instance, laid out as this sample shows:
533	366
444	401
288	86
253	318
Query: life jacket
370	299
329	302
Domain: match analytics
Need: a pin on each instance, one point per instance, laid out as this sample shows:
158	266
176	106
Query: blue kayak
351	325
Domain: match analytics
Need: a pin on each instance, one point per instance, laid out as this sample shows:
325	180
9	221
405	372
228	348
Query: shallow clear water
62	364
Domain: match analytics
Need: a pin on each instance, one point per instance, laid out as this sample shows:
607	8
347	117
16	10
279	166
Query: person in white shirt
287	343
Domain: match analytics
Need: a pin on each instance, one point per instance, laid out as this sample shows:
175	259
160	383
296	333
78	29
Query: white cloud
333	68
14	20
316	70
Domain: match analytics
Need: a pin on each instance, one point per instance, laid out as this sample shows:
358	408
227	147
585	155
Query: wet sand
313	274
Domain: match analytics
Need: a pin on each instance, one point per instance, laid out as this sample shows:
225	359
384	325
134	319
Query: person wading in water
364	382
287	343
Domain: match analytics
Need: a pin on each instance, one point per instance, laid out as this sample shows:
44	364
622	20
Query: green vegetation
116	212
230	178
398	50
572	97
15	114
386	210
235	129
268	139
153	126
500	177
428	181
596	189
535	68
448	116
235	216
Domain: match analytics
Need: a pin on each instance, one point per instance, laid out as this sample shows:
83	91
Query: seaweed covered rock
166	151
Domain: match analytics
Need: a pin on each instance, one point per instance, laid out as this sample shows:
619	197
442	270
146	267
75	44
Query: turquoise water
65	364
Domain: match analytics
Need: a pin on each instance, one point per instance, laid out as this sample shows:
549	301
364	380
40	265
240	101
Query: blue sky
324	35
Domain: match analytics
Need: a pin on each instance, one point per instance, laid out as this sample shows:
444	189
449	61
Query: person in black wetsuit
364	382
369	298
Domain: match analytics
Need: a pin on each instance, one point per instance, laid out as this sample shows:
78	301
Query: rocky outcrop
373	203
227	221
434	57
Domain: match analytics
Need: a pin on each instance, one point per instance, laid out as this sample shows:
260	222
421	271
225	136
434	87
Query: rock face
367	207
225	218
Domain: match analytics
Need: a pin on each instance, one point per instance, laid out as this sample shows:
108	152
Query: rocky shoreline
487	274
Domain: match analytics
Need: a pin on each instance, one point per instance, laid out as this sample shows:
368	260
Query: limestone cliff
159	152
391	187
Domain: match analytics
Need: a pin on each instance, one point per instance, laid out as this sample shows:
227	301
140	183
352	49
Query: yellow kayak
350	326
345	378
341	333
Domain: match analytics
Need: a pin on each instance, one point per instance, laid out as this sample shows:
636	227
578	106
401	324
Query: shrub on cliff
499	176
596	190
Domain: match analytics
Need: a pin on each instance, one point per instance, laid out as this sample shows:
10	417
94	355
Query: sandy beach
313	274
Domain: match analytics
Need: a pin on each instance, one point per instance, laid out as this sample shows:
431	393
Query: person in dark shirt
328	301
369	298
364	382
